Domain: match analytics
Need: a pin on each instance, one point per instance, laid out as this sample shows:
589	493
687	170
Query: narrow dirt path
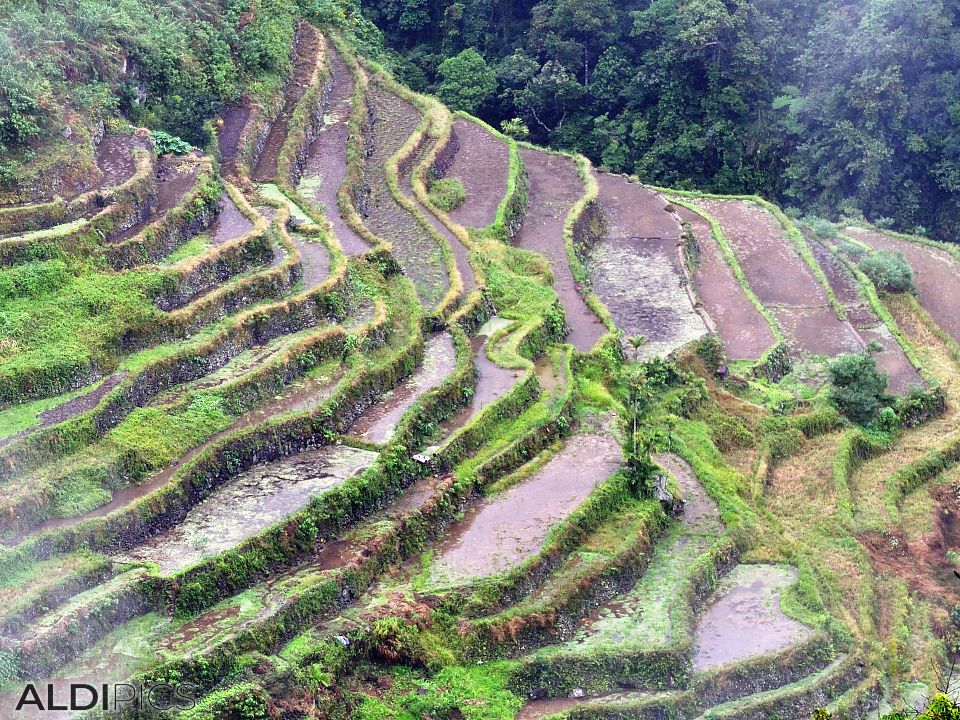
635	268
554	188
379	422
233	121
782	280
511	526
482	165
326	162
745	332
305	52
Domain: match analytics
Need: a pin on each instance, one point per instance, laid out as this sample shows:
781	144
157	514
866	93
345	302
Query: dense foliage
836	107
857	386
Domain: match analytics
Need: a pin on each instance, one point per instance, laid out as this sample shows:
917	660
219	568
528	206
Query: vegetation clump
858	388
447	194
888	270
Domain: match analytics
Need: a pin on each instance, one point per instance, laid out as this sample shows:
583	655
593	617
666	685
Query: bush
447	194
858	387
888	270
821	227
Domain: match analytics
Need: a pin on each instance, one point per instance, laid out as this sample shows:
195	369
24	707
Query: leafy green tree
857	387
467	81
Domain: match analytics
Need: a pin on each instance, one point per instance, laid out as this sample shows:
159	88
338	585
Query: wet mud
482	165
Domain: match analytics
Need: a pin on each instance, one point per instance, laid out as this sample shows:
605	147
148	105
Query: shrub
447	194
858	387
888	270
821	227
167	143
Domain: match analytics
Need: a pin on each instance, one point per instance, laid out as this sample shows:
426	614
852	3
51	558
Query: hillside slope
368	410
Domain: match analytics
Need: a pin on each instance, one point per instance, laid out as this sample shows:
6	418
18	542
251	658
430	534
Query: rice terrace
327	399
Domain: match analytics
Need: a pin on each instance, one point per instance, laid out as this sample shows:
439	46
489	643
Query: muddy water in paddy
415	249
782	280
936	275
506	529
461	255
326	161
379	422
304	63
302	396
643	617
482	165
554	188
493	381
175	178
69	409
635	268
250	503
536	709
901	374
744	618
744	331
229	224
115	158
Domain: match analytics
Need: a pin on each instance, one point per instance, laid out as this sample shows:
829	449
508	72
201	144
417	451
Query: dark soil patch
510	527
229	224
635	268
175	178
744	618
414	248
482	165
326	161
229	135
378	423
69	409
781	280
304	64
250	503
744	331
923	564
554	188
936	275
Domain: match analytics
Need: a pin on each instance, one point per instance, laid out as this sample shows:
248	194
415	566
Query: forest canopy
835	108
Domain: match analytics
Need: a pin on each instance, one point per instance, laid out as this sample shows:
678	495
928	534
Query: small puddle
248	504
744	618
379	422
511	526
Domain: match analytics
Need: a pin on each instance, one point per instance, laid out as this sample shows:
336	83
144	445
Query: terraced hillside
282	423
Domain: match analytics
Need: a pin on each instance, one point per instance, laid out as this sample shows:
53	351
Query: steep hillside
368	410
